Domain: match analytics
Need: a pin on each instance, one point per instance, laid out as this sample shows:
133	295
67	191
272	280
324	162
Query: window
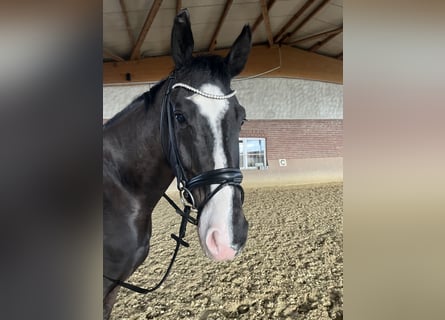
252	153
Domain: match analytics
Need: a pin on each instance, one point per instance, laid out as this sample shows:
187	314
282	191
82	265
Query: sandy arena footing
291	267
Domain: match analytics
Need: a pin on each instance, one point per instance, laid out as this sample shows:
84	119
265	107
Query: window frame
244	161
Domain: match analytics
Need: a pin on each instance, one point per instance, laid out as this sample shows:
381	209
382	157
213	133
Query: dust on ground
291	267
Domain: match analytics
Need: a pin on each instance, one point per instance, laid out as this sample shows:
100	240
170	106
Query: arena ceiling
138	29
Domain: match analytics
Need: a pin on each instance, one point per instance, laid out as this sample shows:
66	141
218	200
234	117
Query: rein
222	177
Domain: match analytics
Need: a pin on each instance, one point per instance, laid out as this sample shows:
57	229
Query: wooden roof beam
339	56
292	20
267	22
317	35
127	22
260	17
305	20
136	52
107	53
319	44
295	63
178	6
220	23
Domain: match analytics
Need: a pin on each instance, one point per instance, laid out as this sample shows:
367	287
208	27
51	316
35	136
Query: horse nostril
217	246
237	247
211	242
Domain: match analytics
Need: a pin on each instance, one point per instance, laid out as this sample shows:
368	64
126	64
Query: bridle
222	177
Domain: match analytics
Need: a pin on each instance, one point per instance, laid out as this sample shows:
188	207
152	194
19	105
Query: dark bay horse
187	126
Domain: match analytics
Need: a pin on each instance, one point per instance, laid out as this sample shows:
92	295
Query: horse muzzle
222	226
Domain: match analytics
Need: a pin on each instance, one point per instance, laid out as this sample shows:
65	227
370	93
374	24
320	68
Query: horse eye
179	117
244	120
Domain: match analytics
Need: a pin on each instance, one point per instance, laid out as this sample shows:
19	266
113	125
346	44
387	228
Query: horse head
206	119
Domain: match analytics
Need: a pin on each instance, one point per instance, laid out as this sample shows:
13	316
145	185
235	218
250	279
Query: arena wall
301	122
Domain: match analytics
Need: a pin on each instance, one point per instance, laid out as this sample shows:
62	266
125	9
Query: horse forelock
206	68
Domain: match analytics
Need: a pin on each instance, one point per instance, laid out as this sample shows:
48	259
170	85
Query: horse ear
182	39
237	57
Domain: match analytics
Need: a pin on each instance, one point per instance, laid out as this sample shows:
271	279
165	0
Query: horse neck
138	154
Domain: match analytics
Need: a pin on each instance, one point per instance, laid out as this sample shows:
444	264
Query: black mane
147	96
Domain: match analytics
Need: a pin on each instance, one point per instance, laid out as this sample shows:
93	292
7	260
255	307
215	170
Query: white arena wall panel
263	98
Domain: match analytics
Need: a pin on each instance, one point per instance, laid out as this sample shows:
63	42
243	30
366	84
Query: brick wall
298	139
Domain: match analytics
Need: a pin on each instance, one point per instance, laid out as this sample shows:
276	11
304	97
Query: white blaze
218	211
213	110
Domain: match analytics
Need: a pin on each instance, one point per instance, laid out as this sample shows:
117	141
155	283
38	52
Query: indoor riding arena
291	157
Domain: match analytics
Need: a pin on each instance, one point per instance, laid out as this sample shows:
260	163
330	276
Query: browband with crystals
204	94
